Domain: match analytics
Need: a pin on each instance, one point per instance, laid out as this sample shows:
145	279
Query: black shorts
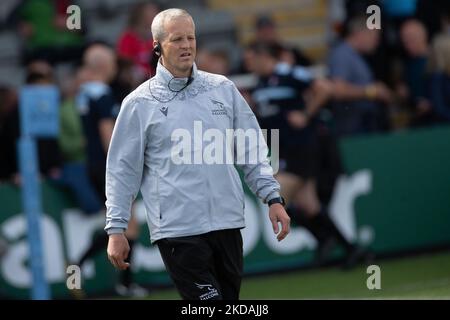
206	266
300	160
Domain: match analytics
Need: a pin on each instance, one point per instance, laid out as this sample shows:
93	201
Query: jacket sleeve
124	165
258	174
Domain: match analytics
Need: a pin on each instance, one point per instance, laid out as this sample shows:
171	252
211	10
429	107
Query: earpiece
157	49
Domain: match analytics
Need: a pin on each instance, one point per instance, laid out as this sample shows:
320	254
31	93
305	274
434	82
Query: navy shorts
206	266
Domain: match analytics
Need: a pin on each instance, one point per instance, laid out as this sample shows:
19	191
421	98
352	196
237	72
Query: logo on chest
164	110
219	108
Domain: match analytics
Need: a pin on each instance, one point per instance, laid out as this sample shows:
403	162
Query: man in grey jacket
175	140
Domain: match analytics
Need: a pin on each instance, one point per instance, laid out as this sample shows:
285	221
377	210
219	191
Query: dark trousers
206	266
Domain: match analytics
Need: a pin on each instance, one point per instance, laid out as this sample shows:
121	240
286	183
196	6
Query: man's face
414	38
179	46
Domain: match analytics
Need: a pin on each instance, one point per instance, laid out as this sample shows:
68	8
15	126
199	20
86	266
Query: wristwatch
279	200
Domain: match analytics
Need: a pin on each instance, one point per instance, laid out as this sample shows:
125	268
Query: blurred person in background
135	44
288	98
214	61
266	32
125	80
56	162
358	97
39	72
42	25
98	110
72	144
413	88
247	64
71	136
440	78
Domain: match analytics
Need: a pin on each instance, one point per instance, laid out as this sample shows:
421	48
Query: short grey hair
160	19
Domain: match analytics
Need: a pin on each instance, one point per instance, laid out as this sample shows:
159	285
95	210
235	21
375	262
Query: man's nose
185	44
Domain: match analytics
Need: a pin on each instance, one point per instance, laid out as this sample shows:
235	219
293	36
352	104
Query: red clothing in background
131	47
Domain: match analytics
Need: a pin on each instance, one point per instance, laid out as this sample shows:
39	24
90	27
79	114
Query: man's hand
278	214
118	249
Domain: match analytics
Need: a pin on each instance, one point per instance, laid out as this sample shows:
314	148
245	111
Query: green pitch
419	277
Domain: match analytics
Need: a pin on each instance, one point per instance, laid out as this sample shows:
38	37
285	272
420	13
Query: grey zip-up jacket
190	197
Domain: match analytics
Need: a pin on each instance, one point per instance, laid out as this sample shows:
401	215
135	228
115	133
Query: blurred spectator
282	104
98	109
39	72
71	137
71	175
414	40
135	45
266	32
247	60
380	59
356	108
214	61
72	144
345	10
124	81
42	24
440	78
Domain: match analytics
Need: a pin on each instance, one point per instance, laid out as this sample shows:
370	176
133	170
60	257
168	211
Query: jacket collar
164	76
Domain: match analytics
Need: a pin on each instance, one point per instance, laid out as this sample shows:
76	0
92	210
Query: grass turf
425	276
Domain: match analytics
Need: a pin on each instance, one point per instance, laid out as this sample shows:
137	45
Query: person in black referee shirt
288	98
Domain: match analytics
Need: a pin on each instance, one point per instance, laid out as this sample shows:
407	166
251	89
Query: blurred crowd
371	81
375	80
